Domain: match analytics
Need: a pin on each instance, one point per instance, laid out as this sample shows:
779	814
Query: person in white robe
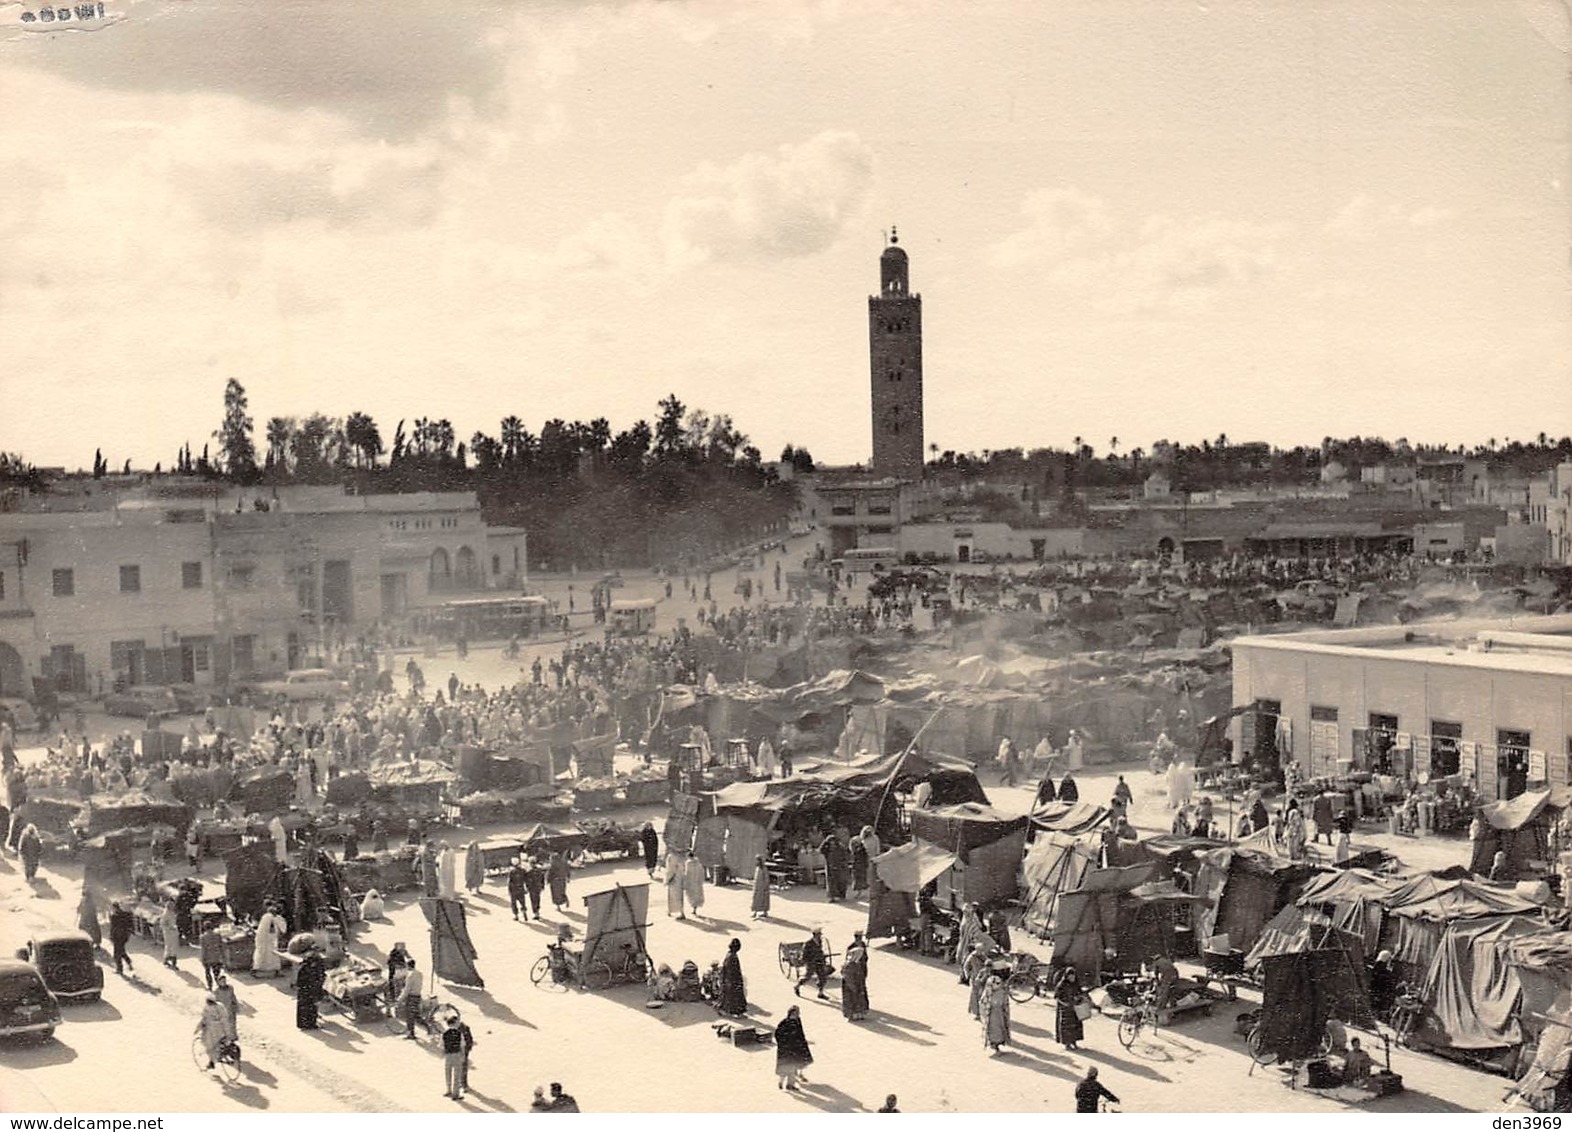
674	880
275	829
264	952
447	873
768	763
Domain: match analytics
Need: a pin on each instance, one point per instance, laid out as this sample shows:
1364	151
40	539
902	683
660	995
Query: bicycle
1030	979
633	966
558	969
226	1065
1262	1056
1406	1015
1141	1014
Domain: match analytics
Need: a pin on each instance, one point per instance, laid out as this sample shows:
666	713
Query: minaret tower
895	364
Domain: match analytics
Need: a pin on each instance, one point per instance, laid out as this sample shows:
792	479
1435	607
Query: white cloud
1364	217
791	203
552	126
1162	264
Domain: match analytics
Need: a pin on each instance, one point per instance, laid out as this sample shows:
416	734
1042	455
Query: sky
1143	220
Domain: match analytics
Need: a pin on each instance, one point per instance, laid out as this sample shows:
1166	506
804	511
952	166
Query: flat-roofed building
1490	699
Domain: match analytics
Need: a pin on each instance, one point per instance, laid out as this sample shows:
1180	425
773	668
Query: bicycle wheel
1129	1028
638	969
597	976
540	974
788	967
227	1066
1022	987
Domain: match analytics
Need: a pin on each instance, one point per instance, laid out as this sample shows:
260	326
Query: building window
242	577
130	579
1323	741
191	575
1511	762
843	509
242	653
1446	742
496	565
2	585
64	582
200	660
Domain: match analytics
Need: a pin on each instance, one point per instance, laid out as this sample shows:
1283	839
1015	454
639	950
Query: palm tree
1113	447
360	433
512	439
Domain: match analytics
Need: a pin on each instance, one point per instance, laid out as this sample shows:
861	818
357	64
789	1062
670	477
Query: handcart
359	988
794	967
606	839
1226	968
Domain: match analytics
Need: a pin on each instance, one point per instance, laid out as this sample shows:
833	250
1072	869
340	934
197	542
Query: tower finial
894	237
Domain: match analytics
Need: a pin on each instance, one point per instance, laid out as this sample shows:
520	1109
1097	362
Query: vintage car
68	963
193	700
26	1006
305	684
141	701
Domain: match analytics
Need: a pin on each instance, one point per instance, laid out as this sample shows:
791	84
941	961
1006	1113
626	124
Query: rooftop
1517	644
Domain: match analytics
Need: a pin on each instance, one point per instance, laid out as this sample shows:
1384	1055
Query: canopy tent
1472	990
1520	828
133	810
264	790
1173	852
616	917
1321	977
1094	917
1055	863
253	876
986	843
249	873
1245	889
899	874
1074	818
859	793
453	955
1543	962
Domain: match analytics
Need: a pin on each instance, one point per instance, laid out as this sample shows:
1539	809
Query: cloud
1162	264
1364	217
791	203
392	69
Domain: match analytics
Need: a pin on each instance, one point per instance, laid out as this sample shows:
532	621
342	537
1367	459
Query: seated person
663	984
689	986
1338	1035
371	907
1356	1065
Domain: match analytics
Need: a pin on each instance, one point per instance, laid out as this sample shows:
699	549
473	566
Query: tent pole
896	769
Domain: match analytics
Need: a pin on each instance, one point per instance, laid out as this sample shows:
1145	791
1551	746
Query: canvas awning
909	867
1069	817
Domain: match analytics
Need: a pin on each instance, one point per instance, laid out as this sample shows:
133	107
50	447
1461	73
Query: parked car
305	684
68	963
26	1005
142	700
192	699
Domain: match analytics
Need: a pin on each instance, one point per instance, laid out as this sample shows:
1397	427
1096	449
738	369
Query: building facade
1486	699
895	369
196	586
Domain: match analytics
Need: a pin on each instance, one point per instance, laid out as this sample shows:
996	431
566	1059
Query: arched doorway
13	673
1165	547
441	567
466	567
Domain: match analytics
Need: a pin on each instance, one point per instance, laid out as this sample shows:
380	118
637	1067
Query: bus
631	618
875	559
492	618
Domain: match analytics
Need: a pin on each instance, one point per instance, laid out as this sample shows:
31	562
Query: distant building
196	584
895	369
1490	700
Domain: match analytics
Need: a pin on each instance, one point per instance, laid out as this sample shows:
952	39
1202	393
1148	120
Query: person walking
733	1000
1090	1092
859	866
760	904
674	889
792	1055
310	987
994	1013
518	888
836	867
557	877
649	841
169	929
213	1029
815	963
474	869
30	847
693	882
408	1003
854	980
452	1060
1068	1030
87	916
119	935
534	884
890	1104
225	994
212	953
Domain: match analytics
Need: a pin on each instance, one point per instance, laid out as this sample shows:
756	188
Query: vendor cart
605	839
497	854
792	964
1226	968
359	988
